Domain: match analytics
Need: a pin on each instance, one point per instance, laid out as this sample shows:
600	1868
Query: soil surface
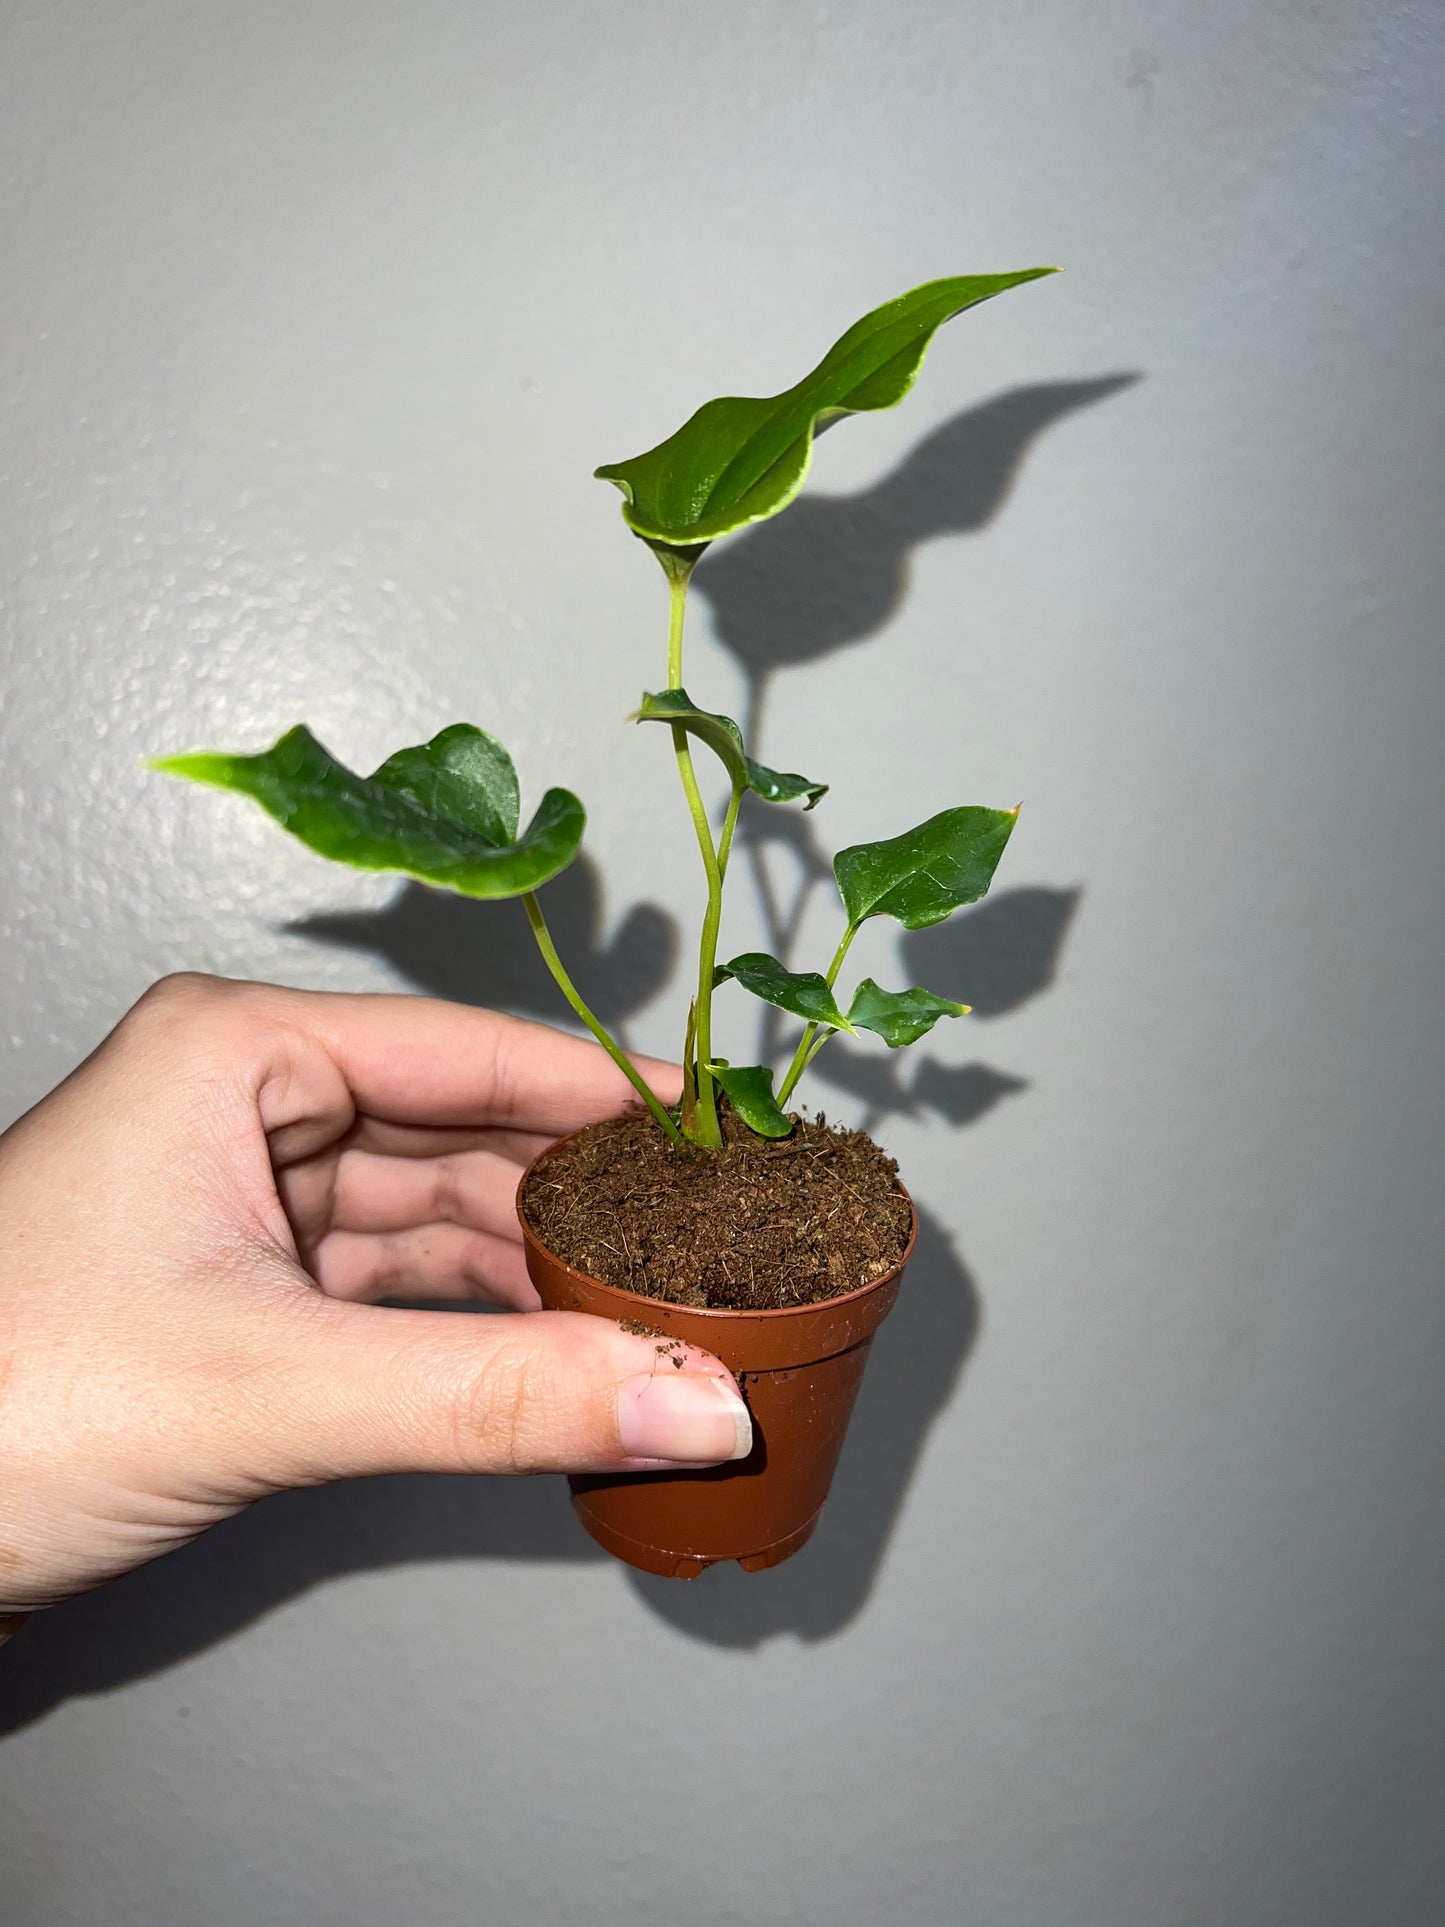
758	1226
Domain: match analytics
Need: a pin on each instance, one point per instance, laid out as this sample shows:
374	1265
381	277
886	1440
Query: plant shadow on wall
1000	954
834	570
456	948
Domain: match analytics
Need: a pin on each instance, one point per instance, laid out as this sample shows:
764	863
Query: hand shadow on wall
247	1566
1003	952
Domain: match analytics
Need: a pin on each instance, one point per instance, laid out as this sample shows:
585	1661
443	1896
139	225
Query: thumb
386	1390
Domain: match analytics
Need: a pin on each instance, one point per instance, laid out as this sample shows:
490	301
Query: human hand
195	1227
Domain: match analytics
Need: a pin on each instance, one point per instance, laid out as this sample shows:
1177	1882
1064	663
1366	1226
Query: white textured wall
314	319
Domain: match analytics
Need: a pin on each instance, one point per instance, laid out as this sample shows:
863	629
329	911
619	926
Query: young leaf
750	1090
445	812
923	875
783	786
805	993
725	740
687	1110
899	1016
742	458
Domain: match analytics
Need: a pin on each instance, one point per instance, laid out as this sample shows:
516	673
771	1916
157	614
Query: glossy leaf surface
805	993
742	458
920	877
899	1016
725	740
750	1091
445	812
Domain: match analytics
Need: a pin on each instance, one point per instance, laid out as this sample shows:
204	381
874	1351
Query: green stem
824	1034
707	1129
840	953
679	574
801	1056
609	1044
707	952
725	841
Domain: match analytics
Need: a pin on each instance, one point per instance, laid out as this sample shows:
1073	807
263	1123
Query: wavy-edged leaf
743	457
462	774
803	992
922	876
445	812
899	1016
725	740
750	1091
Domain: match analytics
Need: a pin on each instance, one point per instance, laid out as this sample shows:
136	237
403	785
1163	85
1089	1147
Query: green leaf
805	993
923	875
445	812
725	740
463	774
750	1091
783	786
742	458
900	1016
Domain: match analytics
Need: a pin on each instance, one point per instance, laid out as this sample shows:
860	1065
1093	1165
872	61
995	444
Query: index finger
416	1060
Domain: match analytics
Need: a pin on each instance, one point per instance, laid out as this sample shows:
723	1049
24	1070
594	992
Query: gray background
314	320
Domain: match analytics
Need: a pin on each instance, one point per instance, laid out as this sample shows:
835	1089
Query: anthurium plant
448	812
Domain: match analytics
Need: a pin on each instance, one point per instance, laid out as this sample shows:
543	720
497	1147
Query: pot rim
720	1312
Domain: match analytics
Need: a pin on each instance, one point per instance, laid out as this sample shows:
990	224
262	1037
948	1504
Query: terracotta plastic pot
799	1371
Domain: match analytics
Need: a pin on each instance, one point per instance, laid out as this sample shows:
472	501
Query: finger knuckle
182	990
191	1001
502	1418
198	1008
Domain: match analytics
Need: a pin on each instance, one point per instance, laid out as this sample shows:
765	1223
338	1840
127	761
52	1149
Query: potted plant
728	1221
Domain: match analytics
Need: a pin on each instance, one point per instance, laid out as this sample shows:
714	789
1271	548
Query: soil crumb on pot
758	1226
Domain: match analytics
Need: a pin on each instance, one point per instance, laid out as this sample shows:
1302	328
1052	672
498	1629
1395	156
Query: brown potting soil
763	1224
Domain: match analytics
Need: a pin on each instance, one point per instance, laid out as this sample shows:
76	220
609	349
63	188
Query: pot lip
720	1312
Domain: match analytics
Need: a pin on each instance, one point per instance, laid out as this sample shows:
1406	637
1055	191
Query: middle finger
477	1189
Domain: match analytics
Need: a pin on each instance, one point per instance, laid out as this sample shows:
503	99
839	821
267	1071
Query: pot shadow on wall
999	955
1004	951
